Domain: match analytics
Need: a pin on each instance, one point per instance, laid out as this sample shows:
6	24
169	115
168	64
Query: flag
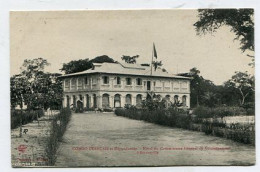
154	51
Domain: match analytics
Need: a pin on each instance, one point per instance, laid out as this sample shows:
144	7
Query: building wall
92	87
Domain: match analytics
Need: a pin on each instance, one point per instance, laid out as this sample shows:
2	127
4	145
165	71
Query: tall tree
130	59
200	87
17	89
244	83
239	20
84	64
34	87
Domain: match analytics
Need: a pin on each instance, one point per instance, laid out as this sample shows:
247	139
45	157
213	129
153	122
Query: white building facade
112	85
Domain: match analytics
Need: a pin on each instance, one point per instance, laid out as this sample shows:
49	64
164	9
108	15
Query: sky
62	36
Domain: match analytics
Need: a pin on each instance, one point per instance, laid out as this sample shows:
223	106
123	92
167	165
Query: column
64	101
91	100
77	83
90	83
84	100
188	100
134	100
111	101
99	101
70	84
77	98
71	100
122	101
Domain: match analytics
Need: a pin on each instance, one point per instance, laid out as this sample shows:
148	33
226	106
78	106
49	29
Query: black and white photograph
132	88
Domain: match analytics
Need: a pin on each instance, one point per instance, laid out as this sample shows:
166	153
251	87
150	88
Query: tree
84	64
129	59
17	89
244	83
102	59
34	87
239	20
156	64
200	87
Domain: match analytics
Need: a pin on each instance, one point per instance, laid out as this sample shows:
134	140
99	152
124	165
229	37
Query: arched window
176	99
139	100
105	101
117	100
168	97
128	99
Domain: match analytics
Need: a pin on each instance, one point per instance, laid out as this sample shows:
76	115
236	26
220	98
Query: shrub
203	112
228	111
169	117
222	111
108	110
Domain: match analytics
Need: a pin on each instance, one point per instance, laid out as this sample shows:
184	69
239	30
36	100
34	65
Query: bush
222	111
203	112
23	117
169	117
108	110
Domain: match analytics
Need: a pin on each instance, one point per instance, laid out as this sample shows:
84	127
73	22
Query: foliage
239	20
243	82
17	88
84	64
58	128
174	118
169	117
204	92
157	64
154	104
22	117
222	111
35	88
130	59
201	89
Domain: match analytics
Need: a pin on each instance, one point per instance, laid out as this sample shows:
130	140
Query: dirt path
29	150
108	140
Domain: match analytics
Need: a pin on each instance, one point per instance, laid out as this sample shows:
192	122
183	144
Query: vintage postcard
127	88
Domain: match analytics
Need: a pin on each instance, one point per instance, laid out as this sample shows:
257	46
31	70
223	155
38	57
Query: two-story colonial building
115	84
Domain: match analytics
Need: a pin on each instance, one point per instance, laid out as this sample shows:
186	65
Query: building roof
126	69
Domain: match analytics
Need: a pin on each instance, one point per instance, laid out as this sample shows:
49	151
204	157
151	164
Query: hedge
23	117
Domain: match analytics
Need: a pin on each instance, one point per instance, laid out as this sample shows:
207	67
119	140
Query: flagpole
152	61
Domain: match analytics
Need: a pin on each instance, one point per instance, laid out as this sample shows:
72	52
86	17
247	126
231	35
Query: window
67	83
105	80
86	80
118	80
128	81
184	84
138	81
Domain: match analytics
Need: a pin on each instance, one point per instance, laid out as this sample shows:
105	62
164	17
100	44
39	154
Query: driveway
104	139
